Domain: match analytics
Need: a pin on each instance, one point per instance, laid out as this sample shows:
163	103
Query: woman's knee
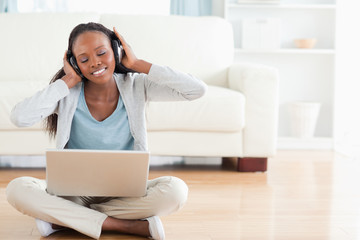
179	192
172	193
19	190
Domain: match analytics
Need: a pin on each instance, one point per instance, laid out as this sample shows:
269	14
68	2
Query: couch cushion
12	92
219	110
202	46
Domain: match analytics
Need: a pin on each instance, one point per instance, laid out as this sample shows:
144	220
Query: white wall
347	84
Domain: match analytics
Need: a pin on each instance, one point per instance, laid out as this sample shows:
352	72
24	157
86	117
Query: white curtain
158	7
191	7
42	5
8	6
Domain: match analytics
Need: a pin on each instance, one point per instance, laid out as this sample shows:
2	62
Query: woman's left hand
130	61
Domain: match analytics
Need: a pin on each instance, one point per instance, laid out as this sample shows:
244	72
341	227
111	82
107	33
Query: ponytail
51	121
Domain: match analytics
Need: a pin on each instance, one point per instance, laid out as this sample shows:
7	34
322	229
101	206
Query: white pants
87	214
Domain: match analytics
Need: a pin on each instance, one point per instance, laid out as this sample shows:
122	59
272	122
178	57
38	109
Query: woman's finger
67	67
66	62
118	35
65	56
129	59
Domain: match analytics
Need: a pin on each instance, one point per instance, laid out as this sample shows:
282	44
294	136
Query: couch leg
250	164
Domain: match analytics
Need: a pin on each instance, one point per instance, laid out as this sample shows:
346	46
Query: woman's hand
71	78
130	61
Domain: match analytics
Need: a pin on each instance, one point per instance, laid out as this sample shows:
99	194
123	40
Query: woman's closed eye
83	60
101	53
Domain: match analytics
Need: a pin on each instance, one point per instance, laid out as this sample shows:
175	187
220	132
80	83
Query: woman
99	102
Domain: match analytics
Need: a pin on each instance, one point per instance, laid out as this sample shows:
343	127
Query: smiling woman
97	101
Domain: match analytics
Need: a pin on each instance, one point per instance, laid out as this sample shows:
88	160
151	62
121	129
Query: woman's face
94	56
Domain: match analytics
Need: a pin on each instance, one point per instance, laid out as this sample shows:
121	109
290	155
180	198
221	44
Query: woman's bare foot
136	227
56	227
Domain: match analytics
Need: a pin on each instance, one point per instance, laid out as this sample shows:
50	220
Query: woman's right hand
71	78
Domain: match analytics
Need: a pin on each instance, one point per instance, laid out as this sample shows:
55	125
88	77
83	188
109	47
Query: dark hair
51	121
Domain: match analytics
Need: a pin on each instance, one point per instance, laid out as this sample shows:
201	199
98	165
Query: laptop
71	172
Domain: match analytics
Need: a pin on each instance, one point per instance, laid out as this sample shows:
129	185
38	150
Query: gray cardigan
161	84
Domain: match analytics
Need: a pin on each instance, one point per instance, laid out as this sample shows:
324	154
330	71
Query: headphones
118	54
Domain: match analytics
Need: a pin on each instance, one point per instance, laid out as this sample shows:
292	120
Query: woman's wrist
141	66
70	81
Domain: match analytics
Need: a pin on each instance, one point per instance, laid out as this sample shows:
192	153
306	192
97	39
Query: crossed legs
91	216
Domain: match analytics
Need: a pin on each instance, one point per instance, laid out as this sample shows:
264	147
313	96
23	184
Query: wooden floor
304	195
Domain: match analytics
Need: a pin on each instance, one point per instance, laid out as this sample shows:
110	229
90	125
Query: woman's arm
45	102
36	108
166	84
130	60
162	83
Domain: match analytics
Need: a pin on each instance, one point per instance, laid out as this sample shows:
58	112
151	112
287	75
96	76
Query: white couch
236	118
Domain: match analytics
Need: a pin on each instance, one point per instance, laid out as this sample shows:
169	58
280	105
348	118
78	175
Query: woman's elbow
17	119
198	92
202	89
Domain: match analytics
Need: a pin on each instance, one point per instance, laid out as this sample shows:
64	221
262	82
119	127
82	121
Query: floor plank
303	195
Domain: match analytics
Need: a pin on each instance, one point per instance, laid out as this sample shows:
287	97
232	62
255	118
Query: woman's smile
99	72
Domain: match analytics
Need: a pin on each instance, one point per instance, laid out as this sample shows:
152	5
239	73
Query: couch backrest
202	46
32	45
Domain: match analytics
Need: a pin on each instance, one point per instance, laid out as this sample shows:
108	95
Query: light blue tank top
111	134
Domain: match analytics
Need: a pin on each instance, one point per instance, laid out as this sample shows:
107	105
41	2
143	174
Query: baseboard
23	161
316	143
40	162
284	143
349	151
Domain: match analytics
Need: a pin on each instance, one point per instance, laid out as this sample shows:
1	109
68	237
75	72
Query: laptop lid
71	172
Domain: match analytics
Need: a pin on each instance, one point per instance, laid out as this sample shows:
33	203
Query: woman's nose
95	62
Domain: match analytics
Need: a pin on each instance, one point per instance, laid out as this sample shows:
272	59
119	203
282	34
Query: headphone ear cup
72	61
118	52
75	66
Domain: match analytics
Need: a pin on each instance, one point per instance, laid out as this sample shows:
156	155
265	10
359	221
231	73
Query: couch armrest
260	85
